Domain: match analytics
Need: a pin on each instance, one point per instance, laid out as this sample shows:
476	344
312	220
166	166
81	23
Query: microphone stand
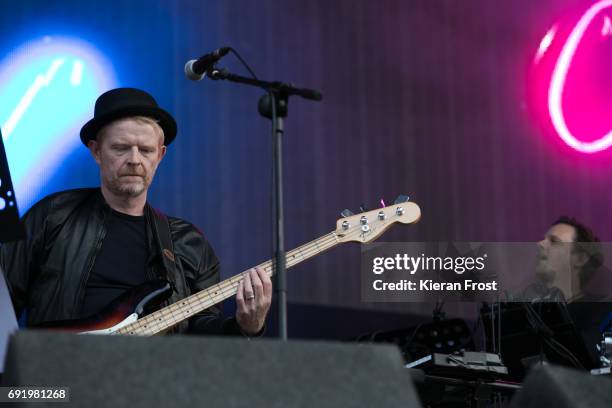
273	106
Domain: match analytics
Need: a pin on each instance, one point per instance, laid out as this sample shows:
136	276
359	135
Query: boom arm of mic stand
277	87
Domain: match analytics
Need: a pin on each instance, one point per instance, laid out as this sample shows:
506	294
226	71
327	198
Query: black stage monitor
530	333
10	227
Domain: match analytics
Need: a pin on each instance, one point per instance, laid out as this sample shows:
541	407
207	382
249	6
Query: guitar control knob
345	225
364	220
399	211
381	215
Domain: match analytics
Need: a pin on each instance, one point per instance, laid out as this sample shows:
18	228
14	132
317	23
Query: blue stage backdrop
425	98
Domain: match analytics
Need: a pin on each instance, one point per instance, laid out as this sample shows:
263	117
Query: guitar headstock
369	225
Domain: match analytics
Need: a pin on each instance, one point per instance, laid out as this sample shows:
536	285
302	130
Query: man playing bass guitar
85	247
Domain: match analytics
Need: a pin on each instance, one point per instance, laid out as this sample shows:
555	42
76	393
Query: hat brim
90	130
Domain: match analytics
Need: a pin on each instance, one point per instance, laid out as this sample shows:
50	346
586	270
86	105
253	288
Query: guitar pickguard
110	330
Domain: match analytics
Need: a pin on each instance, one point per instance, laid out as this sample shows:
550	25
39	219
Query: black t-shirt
120	264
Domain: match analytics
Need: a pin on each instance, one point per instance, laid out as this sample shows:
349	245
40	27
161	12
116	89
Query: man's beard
545	275
543	272
128	189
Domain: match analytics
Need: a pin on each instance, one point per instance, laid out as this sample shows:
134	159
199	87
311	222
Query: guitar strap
161	230
163	240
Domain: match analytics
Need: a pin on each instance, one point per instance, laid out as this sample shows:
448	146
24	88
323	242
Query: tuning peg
401	199
382	203
346	213
363	208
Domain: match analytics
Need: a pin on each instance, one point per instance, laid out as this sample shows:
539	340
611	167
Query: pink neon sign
557	84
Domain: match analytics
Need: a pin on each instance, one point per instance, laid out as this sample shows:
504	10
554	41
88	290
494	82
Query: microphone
196	69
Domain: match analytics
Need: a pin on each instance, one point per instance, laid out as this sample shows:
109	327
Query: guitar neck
169	316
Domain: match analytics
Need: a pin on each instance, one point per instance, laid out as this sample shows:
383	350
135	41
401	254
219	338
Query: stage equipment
440	336
8	321
605	348
470	379
466	364
274	106
192	371
527	335
196	69
10	227
563	388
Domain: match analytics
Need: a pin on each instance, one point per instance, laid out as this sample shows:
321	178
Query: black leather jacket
48	271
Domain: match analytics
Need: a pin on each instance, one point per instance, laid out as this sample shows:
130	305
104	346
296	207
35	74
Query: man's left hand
253	299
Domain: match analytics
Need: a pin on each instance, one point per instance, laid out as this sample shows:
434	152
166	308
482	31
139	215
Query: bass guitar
126	314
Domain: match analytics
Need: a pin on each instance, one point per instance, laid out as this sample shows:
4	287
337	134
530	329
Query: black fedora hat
123	102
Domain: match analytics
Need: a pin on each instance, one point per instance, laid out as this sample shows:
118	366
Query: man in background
569	258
